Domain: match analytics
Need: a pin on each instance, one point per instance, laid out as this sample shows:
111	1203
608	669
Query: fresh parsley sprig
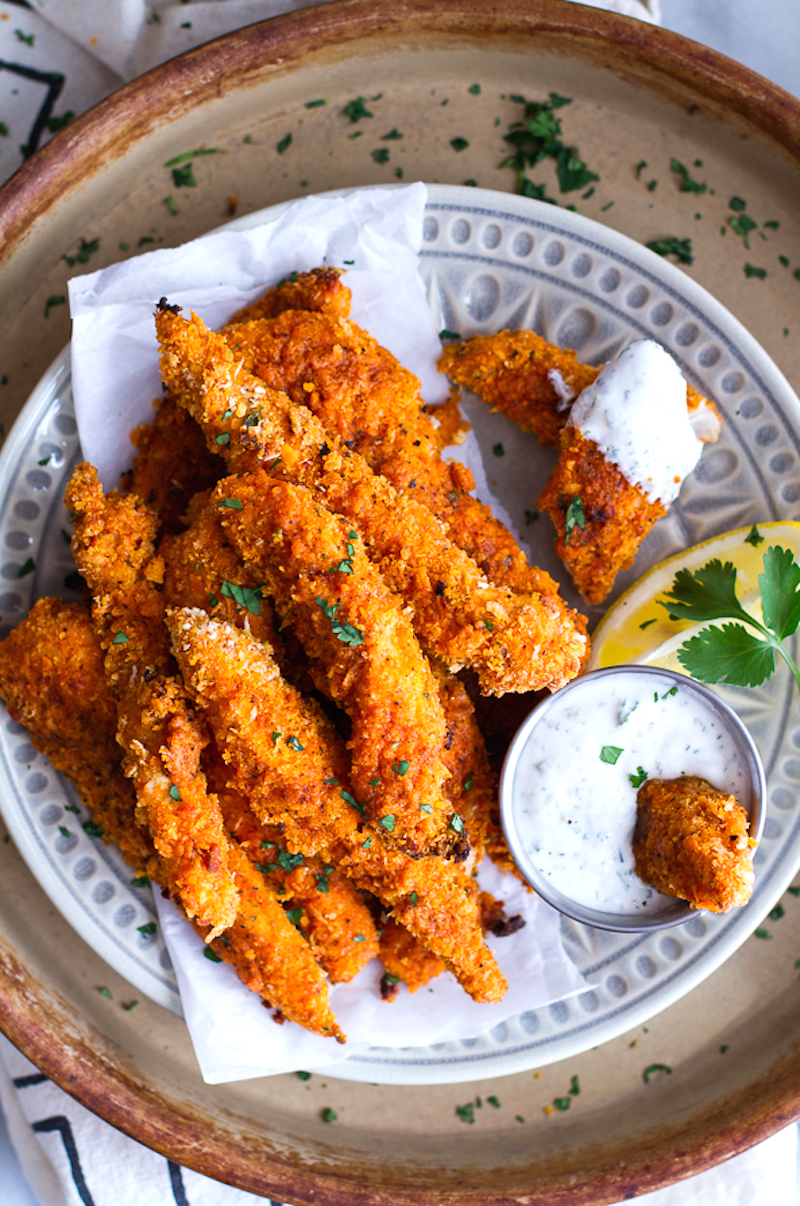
732	653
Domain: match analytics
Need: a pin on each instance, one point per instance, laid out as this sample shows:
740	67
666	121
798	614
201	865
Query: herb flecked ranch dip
576	777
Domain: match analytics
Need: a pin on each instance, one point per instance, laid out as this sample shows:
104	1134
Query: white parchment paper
376	234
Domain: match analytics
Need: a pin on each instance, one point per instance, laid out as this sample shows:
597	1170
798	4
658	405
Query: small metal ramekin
675	911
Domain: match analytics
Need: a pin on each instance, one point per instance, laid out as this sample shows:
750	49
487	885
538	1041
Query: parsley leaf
245	596
638	779
610	754
707	594
780	592
754	537
687	184
672	245
574	516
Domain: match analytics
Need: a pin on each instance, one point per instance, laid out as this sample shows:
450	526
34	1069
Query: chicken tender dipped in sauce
691	841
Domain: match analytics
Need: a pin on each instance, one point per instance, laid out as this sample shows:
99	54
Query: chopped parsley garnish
213	601
531	517
140	881
92	829
381	155
315	104
784	259
538	136
284	144
212	955
776	913
366	845
85	250
640	166
295	744
329	1114
493	1101
233	503
680	248
121	638
456	824
28	39
459	144
444	335
742	225
413	898
183	177
426	808
751	270
474	90
187	155
610	754
247	597
346	633
466	1112
175	792
651	1069
294	915
687	184
129	1005
574	516
737	204
498	450
388	822
65	833
303	1076
54	124
392	136
222	439
562	1103
638	779
287	861
468	782
172	205
348	799
731	653
147	929
57	299
574	1086
253	419
27	568
356	109
401	768
322	880
105	992
647	623
760	932
359	938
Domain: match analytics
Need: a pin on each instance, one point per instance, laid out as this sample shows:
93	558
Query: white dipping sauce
636	412
575	812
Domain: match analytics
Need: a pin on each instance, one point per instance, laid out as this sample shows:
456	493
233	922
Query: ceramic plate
490	261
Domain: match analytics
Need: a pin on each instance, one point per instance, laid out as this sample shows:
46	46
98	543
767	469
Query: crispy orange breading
616	515
321	289
271	956
691	841
172	463
335	920
201	569
512	372
303	786
51	677
52	681
515	642
360	393
363	650
162	738
406	958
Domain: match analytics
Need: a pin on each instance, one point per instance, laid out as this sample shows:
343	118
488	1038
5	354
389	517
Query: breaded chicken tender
515	642
172	464
363	652
162	737
616	515
321	289
406	959
285	755
518	372
52	681
691	841
360	392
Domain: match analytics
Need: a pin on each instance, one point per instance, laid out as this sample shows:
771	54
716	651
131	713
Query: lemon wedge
637	628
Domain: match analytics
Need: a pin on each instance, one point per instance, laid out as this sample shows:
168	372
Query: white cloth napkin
61	58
